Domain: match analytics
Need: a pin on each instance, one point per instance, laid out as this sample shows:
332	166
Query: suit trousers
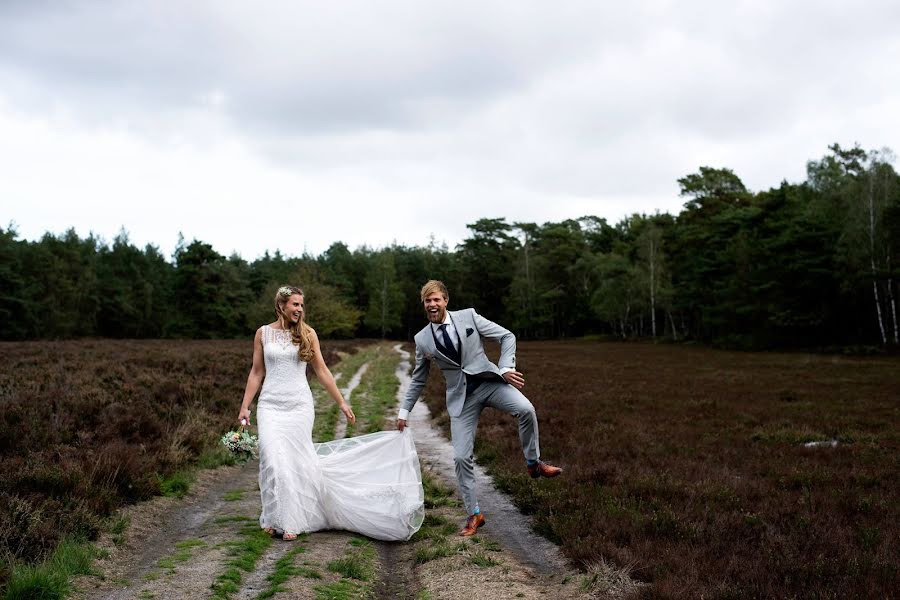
502	396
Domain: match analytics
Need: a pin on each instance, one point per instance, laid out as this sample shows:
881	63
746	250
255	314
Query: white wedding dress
369	484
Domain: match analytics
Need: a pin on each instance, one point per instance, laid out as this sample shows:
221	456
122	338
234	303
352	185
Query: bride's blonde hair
301	333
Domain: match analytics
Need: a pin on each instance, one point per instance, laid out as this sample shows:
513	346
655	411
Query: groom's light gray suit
473	383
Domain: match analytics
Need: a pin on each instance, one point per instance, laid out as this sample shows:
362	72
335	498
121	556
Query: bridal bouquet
241	444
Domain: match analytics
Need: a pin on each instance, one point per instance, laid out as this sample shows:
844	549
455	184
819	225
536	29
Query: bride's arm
254	379
327	379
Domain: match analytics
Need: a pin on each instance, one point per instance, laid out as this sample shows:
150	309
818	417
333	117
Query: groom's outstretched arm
488	329
419	379
507	363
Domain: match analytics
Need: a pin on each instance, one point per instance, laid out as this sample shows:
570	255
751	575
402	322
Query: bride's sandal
270	531
289	537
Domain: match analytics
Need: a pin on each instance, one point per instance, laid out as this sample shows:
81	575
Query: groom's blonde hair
435	287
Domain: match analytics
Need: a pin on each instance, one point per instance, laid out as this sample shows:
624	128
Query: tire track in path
340	430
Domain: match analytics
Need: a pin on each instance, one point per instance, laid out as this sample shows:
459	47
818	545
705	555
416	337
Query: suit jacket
471	328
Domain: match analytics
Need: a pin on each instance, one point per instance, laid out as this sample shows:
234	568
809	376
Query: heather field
92	425
685	465
689	466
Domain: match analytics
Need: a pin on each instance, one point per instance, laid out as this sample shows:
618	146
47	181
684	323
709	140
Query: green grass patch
117	530
489	545
481	559
343	589
234	519
177	484
234	495
244	553
434	527
437	494
441	549
352	566
359	563
309	573
215	457
51	579
183	553
120	525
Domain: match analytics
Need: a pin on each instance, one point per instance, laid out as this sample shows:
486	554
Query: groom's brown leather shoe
472	525
542	469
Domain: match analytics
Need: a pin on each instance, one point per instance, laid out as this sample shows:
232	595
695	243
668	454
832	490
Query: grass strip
284	570
343	589
244	553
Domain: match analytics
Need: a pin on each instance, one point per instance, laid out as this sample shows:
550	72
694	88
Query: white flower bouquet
241	444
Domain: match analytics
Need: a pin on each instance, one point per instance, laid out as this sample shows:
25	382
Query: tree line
807	264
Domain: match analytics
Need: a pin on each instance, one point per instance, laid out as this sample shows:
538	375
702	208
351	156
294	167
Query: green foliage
177	484
52	578
385	296
815	263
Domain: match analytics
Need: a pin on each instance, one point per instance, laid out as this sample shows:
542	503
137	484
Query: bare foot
289	537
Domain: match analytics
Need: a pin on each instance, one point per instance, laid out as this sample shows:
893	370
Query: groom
454	342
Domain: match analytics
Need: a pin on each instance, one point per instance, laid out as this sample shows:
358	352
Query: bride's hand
348	412
244	415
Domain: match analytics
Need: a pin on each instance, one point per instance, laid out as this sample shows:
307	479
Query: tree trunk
872	257
672	321
383	306
653	288
892	303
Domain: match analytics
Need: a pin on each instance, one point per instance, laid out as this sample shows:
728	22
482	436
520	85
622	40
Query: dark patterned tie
452	352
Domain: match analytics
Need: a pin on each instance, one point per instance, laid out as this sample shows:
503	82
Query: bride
369	484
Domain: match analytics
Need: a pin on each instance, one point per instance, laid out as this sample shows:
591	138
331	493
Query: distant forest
813	264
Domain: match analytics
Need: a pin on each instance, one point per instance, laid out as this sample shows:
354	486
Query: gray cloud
530	110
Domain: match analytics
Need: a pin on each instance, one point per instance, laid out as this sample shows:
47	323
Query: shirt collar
446	320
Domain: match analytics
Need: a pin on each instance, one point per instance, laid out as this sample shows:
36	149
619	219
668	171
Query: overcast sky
291	125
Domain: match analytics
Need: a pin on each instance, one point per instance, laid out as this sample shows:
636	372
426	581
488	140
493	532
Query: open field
685	464
688	465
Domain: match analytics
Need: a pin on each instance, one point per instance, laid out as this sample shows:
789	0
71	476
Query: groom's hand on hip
401	424
515	379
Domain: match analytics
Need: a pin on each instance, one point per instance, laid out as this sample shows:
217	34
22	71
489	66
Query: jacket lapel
461	339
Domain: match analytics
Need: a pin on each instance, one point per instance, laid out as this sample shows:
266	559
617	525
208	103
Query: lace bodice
285	384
